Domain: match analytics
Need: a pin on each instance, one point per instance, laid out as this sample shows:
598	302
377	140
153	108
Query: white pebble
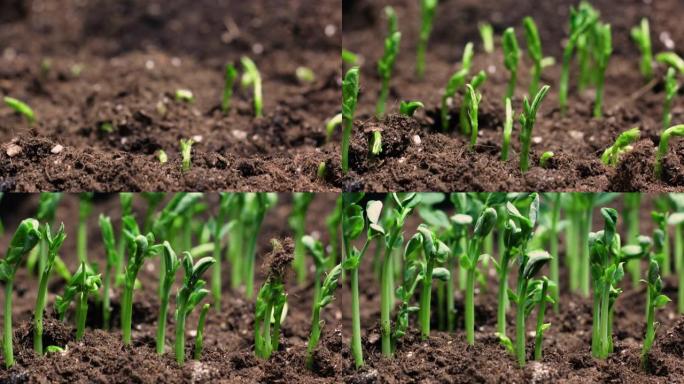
330	30
239	134
258	49
149	64
57	149
577	135
537	139
491	69
13	150
416	139
197	138
666	39
176	62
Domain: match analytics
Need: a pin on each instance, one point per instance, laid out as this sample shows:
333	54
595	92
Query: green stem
470	307
420	60
586	218
313	337
502	296
299	262
571	255
555	275
180	335
127	312
38	313
539	335
520	323
510	90
451	311
347	126
565	77
216	272
106	299
603	348
161	323
595	322
235	255
382	98
386	303
82	241
425	297
357	351
249	270
650	330
7	351
81	314
536	78
598	104
199	339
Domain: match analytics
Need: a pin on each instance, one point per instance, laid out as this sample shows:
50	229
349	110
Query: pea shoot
511	59
186	154
350	93
325	297
677	130
21	108
230	74
82	284
602	53
252	77
456	81
53	244
408	108
641	35
171	264
427	14
534	50
473	101
527	120
623	144
580	21
386	63
671	90
487	35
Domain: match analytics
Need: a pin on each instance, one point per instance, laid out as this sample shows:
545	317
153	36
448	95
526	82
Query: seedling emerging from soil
199	339
189	296
112	259
507	130
623	144
642	37
228	83
473	101
671	59
411	276
511	59
305	75
252	77
54	243
162	156
654	300
297	221
476	83
25	238
436	252
171	264
330	126
350	93
427	14
82	284
487	34
671	89
456	81
186	154
534	50
350	57
545	158
527	120
184	95
271	301
325	297
677	130
386	63
408	108
21	108
580	21
602	53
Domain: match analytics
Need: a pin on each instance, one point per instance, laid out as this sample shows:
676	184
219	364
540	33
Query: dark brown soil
120	62
228	356
441	161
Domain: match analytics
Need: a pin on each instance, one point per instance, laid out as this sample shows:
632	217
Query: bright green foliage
109	242
21	108
545	158
47	208
82	284
330	126
218	229
671	90
507	130
580	21
408	108
162	157
325	297
350	94
411	276
642	37
456	81
534	50
654	300
297	221
464	120
512	56
25	238
541	299
229	77
586	46
189	296
677	130
602	53
623	144
435	252
53	244
427	14
305	75
199	339
349	57
184	95
252	77
186	154
487	34
473	101
171	264
671	59
527	120
386	63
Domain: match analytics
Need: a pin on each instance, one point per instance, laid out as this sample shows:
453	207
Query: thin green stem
180	335
502	297
8	351
425	297
106	299
565	77
357	350
347	126
161	323
520	323
555	275
81	314
216	272
313	337
470	307
127	312
38	314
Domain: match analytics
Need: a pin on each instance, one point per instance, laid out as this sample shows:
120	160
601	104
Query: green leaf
21	108
441	274
465	261
536	260
373	211
350	92
485	223
506	342
660	301
408	108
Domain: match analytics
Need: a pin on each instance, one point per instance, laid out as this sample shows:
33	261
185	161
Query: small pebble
13	150
537	139
57	149
257	49
239	134
416	139
330	30
149	65
577	135
197	138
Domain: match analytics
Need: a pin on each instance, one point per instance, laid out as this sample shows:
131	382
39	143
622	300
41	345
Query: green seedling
297	221
487	34
527	120
21	108
553	247
473	101
545	158
671	59
654	300
325	297
252	77
456	81
507	130
542	300
171	264
623	144
82	284
580	21
317	251
631	209
661	241
464	120
330	126
186	154
126	203
534	50
305	75
112	259
436	252
386	63
586	46
85	207
677	130
408	108
47	208
25	238
189	296
184	95
53	243
333	224
671	90
350	57
199	339
602	53
458	228
642	37
162	157
230	74
412	275
511	59
427	15
350	94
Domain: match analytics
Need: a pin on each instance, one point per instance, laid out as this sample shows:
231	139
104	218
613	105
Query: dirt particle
13	150
57	149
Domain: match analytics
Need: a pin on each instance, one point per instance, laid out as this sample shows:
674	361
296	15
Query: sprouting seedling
112	260
322	170
375	145
545	158
199	339
527	120
171	264
325	297
317	251
623	144
541	299
350	57
507	130
671	89
534	50
25	238
184	95
21	108
512	55
350	94
189	296
602	53
54	243
162	157
297	221
186	153
487	34
427	14
671	59
305	75
412	275
580	20
474	98
586	45
252	77
230	74
456	81
436	252
386	63
642	37
47	208
82	284
330	126
654	300
677	130
464	121
408	108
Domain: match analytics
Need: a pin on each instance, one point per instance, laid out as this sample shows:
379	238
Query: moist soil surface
420	156
229	357
101	77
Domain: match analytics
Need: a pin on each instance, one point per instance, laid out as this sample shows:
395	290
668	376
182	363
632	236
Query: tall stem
503	297
7	351
313	337
451	312
357	351
81	314
470	306
555	290
520	323
425	297
161	324
216	272
180	336
565	77
106	299
82	241
127	312
604	324
38	314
